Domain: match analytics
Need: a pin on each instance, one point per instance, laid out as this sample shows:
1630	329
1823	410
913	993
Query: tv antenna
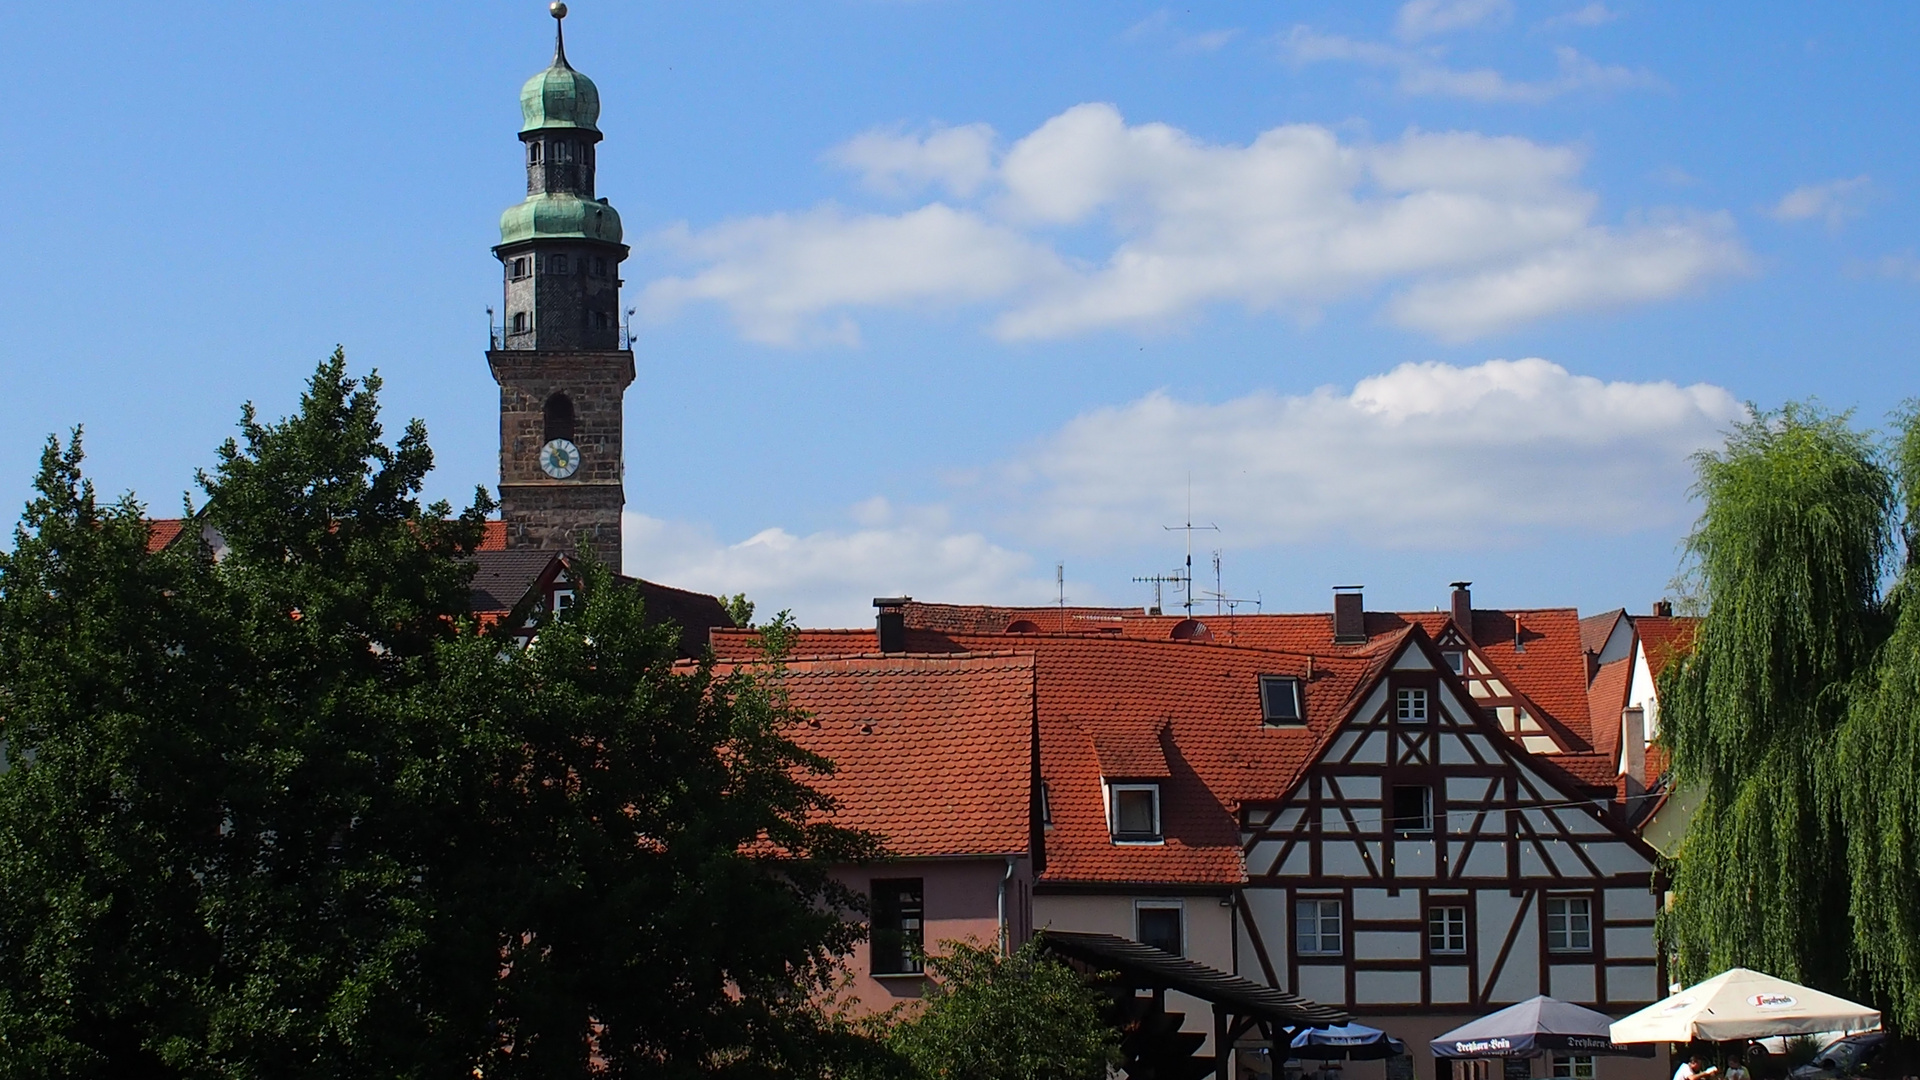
1189	528
1060	584
1157	580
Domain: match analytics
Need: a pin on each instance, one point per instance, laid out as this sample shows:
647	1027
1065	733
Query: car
1842	1057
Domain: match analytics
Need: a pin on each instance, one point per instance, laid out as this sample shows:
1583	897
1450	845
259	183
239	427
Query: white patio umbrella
1742	1004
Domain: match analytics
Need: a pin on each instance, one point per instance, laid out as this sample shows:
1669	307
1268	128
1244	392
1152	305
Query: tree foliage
1874	776
1789	712
1020	1017
279	810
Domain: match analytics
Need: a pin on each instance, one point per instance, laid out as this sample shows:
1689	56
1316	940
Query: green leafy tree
1788	553
1020	1017
1797	713
279	811
1873	776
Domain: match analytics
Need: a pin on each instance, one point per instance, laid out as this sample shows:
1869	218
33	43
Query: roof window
1280	700
1134	813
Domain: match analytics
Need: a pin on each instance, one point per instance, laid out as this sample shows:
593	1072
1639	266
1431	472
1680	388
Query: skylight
1280	700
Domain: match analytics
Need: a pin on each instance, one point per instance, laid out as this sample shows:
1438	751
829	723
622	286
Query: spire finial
559	12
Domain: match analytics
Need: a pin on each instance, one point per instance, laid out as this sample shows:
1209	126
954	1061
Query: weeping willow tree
1787	557
1873	778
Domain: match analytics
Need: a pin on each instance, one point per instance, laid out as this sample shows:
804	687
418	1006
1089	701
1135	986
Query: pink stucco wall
961	897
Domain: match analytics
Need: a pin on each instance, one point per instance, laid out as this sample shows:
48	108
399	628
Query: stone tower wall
539	511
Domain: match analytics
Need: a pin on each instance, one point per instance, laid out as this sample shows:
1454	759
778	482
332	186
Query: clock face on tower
560	459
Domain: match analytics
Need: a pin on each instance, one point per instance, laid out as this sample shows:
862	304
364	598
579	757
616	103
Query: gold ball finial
559	9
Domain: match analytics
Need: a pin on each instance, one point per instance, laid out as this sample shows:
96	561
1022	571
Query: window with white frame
1316	928
1456	661
1576	1067
1410	705
1447	930
1159	923
1134	812
1569	924
1412	809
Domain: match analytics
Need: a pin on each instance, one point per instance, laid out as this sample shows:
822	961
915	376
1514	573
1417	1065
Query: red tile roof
1540	651
1665	637
986	619
1203	702
934	753
494	538
1596	629
1606	699
1128	750
163	531
1119	695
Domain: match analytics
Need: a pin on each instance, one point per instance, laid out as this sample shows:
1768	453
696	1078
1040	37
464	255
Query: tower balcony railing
502	338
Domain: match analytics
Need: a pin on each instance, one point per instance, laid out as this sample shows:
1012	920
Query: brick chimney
1349	615
890	622
1663	608
1463	609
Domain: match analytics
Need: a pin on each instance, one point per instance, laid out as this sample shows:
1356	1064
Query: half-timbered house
1408	815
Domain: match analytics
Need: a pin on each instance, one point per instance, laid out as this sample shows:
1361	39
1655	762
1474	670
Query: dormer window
1134	813
1410	705
1280	700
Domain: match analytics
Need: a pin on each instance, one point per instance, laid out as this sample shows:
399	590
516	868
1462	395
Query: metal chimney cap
1459	584
892	601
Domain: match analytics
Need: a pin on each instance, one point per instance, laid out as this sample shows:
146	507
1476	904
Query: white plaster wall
1209	930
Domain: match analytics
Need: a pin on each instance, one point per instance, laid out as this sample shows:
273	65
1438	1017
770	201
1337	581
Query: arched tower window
559	418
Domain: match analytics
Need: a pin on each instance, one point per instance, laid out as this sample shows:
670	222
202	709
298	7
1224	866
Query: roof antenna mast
1060	584
1189	528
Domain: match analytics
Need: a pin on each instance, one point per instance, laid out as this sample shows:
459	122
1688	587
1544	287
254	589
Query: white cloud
1604	269
1427	456
1835	201
1160	26
959	159
829	578
1902	267
1289	222
1594	14
1421	74
1425	18
780	272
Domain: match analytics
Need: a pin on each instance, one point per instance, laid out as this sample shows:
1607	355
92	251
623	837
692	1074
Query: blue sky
937	295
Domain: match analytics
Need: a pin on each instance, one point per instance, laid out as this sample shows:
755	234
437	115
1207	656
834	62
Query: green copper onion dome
560	216
560	97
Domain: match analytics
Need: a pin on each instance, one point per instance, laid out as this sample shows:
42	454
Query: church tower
558	354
